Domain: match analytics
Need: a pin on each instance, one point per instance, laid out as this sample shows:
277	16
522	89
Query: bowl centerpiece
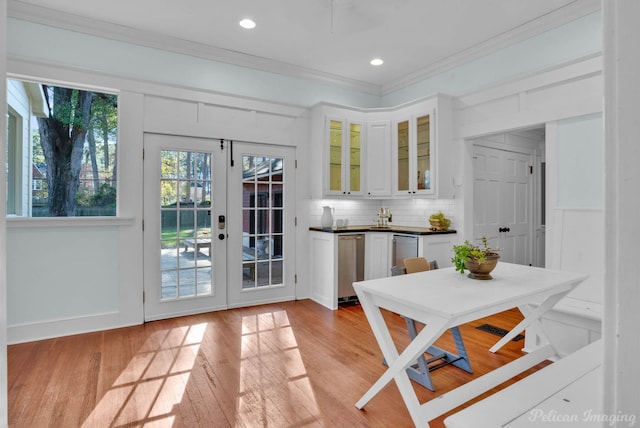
438	221
478	260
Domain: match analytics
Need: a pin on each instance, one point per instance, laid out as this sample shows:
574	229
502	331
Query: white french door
261	225
219	225
502	202
184	257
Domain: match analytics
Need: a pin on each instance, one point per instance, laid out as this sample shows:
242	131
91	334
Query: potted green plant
478	260
438	221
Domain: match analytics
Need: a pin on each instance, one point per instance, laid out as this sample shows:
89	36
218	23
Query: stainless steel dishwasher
350	266
404	247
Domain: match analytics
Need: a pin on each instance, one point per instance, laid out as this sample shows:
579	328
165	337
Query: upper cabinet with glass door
383	153
344	143
422	150
413	147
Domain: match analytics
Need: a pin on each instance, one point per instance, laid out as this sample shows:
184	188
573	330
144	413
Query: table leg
532	318
398	363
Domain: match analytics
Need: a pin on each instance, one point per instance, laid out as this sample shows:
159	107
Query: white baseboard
65	327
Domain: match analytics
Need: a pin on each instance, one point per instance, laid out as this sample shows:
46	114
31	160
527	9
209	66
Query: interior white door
503	202
261	224
185	258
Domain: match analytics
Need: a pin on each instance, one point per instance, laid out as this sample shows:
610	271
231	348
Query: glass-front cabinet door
402	151
413	155
423	152
345	157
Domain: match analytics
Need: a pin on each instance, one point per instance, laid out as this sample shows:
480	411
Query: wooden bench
569	390
197	243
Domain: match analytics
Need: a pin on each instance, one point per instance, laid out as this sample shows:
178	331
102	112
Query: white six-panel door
502	202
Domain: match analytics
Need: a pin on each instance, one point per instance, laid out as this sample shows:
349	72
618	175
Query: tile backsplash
406	212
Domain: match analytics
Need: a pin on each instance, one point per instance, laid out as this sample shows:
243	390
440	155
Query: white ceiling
330	39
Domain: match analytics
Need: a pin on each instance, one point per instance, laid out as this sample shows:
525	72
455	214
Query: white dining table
444	298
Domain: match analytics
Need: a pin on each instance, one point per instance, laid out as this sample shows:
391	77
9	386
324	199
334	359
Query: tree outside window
73	150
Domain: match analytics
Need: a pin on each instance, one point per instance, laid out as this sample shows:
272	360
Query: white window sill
18	222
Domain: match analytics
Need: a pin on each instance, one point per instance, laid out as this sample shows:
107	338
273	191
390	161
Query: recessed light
377	61
248	23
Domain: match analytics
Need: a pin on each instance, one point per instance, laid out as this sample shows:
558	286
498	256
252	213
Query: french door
218	225
185	261
262	249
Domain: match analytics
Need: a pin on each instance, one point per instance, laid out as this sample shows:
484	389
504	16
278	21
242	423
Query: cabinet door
423	152
335	157
437	247
378	159
344	171
354	153
414	150
403	165
377	257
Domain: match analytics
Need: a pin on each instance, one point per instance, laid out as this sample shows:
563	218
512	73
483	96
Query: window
61	151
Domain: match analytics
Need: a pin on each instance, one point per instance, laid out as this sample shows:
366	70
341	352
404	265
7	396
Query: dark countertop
409	230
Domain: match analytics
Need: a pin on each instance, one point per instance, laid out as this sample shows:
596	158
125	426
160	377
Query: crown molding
556	18
54	18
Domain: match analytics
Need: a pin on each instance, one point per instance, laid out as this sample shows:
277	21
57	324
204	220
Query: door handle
504	229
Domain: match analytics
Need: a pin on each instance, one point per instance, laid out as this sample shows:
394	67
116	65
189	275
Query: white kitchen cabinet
383	153
437	247
414	146
325	258
337	260
324	268
344	144
337	152
378	167
377	255
422	151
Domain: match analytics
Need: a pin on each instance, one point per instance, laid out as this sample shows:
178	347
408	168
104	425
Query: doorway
508	188
218	225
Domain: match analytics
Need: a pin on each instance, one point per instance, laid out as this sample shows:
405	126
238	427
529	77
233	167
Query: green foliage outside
74	151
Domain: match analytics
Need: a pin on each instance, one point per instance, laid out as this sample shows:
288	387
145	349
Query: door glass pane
424	152
262	220
354	157
335	155
185	211
403	155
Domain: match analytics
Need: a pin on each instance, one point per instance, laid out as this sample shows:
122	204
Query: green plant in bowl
479	260
439	222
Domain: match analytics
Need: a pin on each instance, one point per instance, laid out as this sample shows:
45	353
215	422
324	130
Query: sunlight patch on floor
274	384
153	382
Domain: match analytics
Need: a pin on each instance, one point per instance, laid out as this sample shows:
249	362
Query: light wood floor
293	364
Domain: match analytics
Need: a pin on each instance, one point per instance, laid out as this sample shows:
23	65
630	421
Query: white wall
575	211
74	275
622	202
3	232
